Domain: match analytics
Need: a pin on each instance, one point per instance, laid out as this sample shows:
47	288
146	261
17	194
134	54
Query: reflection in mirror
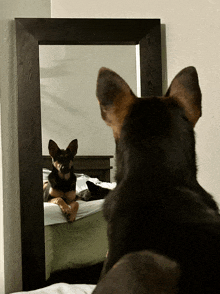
32	33
69	108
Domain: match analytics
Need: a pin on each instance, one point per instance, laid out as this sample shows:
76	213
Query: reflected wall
69	108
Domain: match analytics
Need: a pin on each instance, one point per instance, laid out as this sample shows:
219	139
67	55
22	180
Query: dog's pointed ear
115	98
53	148
73	147
92	187
186	91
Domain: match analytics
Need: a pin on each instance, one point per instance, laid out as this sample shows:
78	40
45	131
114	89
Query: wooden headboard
93	166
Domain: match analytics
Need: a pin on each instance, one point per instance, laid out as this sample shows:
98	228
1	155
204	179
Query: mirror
68	84
30	33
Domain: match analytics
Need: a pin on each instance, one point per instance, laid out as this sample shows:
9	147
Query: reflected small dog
61	186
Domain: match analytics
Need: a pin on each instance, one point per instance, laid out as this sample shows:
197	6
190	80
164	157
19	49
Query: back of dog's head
155	132
158	203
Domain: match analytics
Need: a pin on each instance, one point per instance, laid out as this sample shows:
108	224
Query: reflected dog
61	186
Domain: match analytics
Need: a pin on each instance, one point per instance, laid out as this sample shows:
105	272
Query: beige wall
10	240
192	38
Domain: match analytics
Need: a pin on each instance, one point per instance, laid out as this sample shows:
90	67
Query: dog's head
94	192
160	128
63	159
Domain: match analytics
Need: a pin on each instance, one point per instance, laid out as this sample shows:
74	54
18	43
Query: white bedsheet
53	214
62	288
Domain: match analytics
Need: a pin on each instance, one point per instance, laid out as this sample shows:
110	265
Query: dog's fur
141	272
158	205
61	186
94	192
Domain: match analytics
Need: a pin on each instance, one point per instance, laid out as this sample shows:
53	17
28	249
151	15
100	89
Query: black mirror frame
30	33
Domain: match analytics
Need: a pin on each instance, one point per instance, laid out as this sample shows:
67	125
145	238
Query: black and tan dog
61	186
163	227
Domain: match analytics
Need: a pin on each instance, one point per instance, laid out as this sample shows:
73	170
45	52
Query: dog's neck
65	177
154	171
62	176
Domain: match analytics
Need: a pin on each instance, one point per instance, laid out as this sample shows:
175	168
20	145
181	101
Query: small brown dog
61	186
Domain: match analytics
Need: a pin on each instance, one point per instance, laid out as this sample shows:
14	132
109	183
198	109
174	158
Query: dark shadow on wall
164	58
86	275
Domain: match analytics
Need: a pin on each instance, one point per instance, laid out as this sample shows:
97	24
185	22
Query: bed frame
93	166
30	33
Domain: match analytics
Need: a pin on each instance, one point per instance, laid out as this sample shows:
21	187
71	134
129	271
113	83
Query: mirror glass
69	108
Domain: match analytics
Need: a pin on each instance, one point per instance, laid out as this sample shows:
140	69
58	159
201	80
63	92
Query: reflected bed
84	242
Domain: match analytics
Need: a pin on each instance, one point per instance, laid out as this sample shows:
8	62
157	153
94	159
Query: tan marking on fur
60	174
70	196
74	208
186	91
64	176
114	115
57	165
192	112
68	205
70	164
45	185
56	193
62	204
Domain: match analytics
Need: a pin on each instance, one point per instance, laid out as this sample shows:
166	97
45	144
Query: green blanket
74	245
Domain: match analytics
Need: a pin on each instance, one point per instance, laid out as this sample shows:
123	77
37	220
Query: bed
63	288
84	242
